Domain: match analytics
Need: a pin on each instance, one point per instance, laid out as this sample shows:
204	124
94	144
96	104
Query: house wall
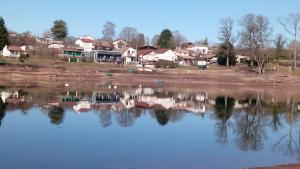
6	52
169	55
199	49
87	47
56	46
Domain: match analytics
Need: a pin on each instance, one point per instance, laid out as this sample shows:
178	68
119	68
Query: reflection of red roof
87	40
83	110
15	49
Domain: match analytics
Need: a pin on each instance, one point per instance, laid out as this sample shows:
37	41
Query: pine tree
4	40
59	29
165	39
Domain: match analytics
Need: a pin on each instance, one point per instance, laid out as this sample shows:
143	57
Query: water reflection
2	111
56	115
243	121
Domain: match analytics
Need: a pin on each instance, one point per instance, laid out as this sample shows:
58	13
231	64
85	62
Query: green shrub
165	64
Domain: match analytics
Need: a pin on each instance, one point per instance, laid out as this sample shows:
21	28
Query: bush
165	64
23	57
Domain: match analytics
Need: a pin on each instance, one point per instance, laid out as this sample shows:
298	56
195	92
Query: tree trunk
295	51
260	68
227	61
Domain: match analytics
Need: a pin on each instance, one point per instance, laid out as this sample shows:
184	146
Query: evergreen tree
4	40
226	50
205	42
59	29
165	39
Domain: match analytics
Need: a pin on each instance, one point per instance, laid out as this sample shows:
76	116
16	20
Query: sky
195	19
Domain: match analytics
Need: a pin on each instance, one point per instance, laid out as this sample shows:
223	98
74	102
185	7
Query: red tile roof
15	49
144	52
72	49
161	50
86	40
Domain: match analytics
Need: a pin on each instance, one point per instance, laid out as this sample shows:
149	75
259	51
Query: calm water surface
137	128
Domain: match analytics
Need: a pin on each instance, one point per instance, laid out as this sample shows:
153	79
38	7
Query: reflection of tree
56	114
125	118
223	111
250	126
105	118
161	117
288	144
2	110
275	123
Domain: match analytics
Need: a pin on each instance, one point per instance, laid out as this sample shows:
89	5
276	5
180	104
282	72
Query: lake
147	128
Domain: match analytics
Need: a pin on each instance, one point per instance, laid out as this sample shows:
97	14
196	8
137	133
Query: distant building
129	54
13	51
199	49
56	45
86	43
103	45
73	53
185	57
165	54
119	44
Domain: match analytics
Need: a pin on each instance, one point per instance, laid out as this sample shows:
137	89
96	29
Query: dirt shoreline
92	75
289	166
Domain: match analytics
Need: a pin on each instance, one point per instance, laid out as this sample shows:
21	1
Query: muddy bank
93	75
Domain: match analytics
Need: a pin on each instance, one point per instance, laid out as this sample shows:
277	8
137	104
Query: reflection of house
5	95
82	106
99	97
151	101
13	51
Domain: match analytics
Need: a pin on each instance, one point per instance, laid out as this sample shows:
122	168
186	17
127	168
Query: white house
13	51
129	54
119	44
56	45
86	43
199	49
147	56
165	54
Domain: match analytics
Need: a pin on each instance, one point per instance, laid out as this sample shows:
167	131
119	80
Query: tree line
254	36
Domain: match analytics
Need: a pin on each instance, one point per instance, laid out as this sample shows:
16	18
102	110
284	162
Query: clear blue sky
193	18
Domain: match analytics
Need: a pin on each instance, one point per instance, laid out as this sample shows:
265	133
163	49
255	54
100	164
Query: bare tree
178	38
155	40
226	35
256	31
292	25
109	31
129	34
